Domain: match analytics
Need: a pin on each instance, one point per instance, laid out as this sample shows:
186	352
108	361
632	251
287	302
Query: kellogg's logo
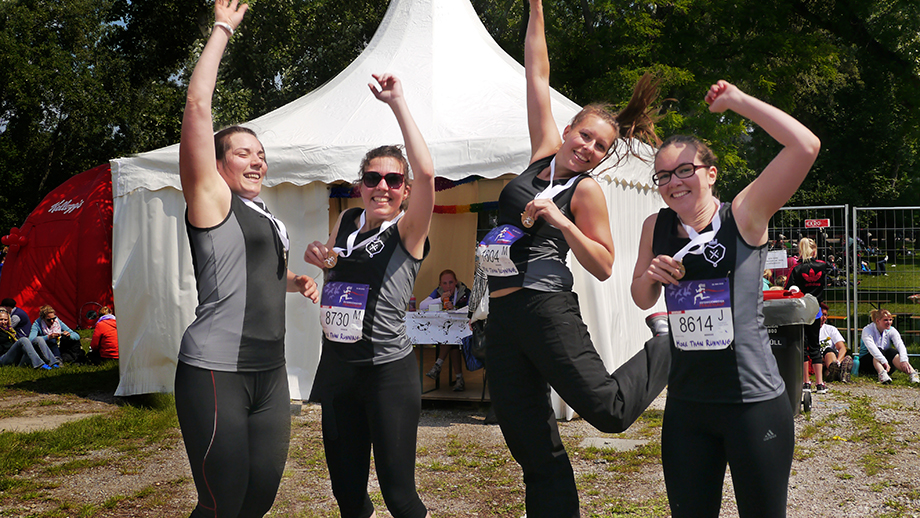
65	206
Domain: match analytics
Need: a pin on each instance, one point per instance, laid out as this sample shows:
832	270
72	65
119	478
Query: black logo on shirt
714	252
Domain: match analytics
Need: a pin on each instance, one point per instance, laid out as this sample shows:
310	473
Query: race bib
700	314
494	251
341	311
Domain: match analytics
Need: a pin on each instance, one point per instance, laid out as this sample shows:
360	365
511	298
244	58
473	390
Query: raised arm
544	135
757	203
206	193
413	227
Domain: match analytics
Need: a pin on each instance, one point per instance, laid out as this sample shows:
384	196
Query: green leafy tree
84	81
847	69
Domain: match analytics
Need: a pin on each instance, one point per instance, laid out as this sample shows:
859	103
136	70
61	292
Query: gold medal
331	259
526	220
681	271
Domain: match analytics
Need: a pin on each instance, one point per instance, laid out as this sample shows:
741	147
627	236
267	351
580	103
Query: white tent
467	96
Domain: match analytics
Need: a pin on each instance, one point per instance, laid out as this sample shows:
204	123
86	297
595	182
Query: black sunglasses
372	179
682	171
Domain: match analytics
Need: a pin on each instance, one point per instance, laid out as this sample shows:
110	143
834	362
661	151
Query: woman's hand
229	11
546	208
723	96
390	88
307	287
664	269
316	254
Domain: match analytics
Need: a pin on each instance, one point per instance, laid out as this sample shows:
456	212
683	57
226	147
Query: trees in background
849	69
84	81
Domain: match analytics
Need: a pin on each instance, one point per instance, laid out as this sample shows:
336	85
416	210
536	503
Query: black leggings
535	340
368	406
755	439
813	343
237	428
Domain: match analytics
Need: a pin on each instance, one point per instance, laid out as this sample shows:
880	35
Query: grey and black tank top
241	277
389	270
540	254
746	370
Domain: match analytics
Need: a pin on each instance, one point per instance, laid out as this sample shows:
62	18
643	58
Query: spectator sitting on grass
837	364
104	345
50	331
19	351
19	319
882	347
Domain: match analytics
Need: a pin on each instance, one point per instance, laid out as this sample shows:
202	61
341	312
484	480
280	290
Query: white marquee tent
467	96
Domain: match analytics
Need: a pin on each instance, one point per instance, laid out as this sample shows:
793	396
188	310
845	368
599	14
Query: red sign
817	223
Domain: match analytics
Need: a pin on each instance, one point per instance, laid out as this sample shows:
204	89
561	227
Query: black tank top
389	271
746	371
540	254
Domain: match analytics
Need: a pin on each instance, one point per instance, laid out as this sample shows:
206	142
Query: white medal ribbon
277	223
552	190
697	240
350	242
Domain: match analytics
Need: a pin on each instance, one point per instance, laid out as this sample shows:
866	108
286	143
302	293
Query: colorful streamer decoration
343	191
443	184
463	209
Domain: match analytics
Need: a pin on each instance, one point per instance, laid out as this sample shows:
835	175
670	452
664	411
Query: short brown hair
222	139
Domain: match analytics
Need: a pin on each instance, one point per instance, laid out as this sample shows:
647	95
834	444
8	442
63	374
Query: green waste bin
786	315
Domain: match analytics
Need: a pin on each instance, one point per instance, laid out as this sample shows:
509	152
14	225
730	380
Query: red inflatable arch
62	255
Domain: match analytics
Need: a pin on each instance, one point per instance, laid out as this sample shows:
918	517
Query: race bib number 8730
341	311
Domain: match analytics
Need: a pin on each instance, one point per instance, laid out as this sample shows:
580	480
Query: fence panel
882	248
829	226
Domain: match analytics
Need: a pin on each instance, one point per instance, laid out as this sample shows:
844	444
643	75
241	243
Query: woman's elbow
602	270
812	146
640	298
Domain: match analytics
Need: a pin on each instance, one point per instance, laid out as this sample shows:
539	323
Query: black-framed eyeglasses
682	171
372	179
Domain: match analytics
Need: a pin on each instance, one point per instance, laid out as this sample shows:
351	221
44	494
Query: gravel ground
856	455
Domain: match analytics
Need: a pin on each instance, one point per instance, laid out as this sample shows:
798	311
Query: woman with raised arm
535	335
726	399
232	394
367	380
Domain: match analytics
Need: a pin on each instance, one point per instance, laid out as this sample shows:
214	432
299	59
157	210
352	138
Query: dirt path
859	444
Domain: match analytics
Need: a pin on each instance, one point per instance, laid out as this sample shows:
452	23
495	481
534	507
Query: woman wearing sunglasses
367	380
726	399
535	335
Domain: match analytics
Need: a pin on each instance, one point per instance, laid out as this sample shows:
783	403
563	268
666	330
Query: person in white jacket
882	344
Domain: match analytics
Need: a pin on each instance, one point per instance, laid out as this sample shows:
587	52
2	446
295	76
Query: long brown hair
635	122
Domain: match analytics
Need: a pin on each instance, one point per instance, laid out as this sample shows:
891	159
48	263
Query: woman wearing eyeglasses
726	399
535	334
367	380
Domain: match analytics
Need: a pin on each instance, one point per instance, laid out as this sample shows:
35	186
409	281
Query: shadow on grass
94	382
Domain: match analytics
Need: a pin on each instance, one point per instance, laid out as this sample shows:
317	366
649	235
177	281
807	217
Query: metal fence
829	226
887	273
873	257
